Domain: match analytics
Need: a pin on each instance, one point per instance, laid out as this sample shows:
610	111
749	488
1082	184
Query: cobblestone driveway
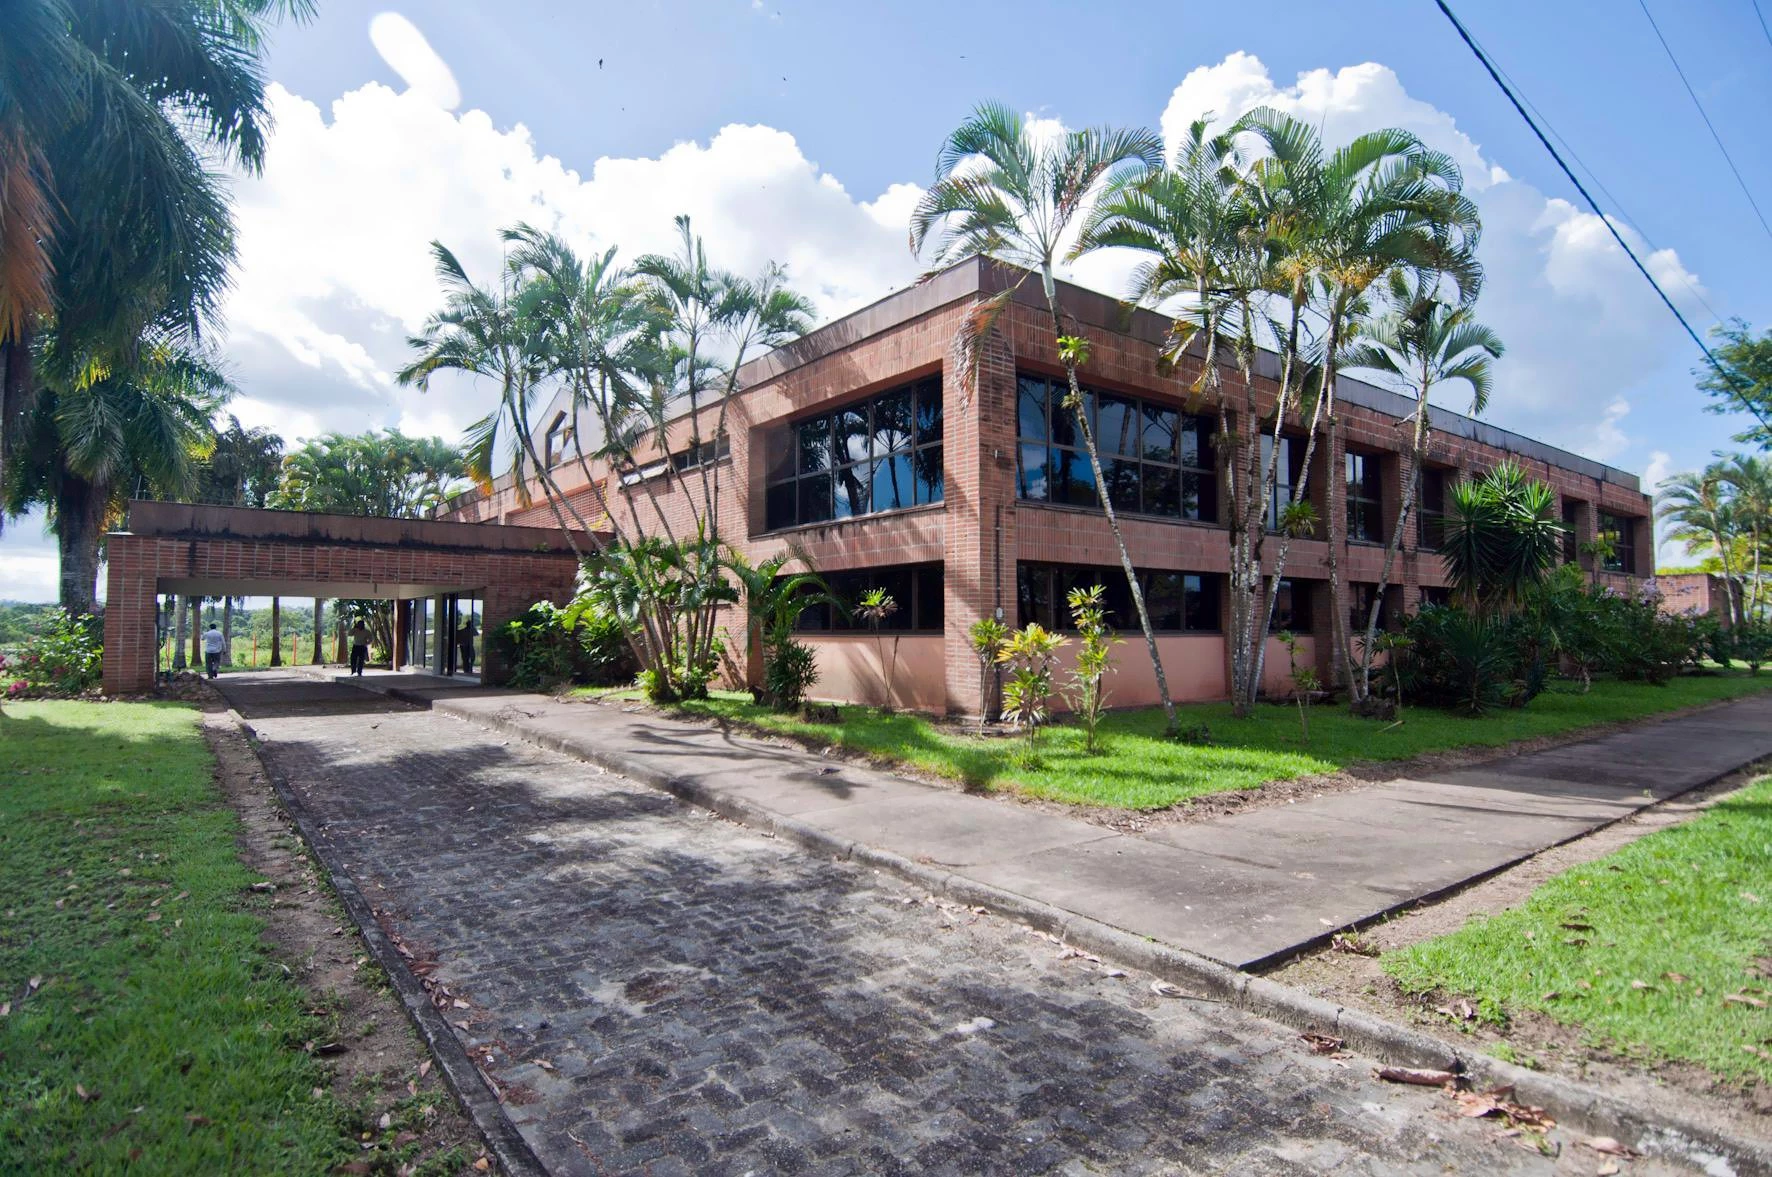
711	1001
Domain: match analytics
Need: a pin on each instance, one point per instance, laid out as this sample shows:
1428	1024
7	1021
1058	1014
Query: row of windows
1618	529
917	590
1155	460
1178	602
880	454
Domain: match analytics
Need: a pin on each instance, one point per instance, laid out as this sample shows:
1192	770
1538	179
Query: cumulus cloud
1581	327
408	54
335	267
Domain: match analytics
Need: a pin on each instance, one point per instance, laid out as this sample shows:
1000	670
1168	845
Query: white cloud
1582	329
408	54
335	268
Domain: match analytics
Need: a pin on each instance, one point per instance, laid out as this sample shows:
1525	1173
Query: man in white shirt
212	649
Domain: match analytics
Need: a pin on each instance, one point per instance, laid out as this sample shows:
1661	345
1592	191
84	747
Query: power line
1764	28
1617	204
1729	377
1710	126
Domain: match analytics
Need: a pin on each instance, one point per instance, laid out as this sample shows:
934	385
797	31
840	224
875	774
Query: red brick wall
981	511
509	583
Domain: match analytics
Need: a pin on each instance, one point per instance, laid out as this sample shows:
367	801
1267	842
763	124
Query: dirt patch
1348	973
403	1117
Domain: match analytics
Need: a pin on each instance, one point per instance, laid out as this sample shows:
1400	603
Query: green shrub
63	656
1457	660
789	672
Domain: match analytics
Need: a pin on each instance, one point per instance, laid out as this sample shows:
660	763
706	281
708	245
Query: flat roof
201	521
982	276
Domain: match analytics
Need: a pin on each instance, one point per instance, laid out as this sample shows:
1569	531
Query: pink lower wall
1276	667
850	670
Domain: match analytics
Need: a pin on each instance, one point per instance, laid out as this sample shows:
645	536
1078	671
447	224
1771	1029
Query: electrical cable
1729	378
1710	126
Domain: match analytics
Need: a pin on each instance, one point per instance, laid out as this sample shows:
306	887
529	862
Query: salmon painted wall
850	670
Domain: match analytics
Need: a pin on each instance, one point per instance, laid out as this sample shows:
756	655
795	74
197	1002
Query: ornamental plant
1086	692
63	657
1031	652
988	636
874	607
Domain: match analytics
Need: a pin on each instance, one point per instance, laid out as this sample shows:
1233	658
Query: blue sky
799	132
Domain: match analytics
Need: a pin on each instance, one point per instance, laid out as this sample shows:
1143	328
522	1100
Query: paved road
712	1001
1248	889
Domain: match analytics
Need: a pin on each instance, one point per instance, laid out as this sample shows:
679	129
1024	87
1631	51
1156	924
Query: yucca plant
1031	653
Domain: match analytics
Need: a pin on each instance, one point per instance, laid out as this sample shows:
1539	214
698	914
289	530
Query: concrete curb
469	1086
1575	1105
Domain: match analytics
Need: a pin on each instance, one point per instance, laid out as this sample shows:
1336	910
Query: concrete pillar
402	638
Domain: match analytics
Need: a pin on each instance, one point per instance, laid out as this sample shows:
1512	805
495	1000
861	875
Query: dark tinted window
1178	602
882	454
918	590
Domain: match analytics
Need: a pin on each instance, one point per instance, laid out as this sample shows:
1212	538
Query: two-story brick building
859	446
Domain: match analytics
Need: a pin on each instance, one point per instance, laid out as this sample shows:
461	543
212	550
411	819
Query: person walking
359	648
213	645
464	644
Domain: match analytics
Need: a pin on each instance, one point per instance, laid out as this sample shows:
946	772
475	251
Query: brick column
402	636
131	612
979	462
1586	527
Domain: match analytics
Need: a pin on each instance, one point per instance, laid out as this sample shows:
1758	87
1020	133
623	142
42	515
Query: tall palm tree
1750	481
87	446
1003	191
1423	343
1699	513
112	223
1214	250
1380	202
482	331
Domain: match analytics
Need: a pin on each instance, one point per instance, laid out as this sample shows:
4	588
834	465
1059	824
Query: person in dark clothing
359	648
464	644
213	645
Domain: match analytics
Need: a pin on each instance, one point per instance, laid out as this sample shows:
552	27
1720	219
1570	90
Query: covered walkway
426	567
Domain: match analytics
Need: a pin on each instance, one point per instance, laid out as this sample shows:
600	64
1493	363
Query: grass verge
1661	950
146	1027
1139	769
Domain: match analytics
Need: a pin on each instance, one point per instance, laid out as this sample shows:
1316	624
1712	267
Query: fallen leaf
1551	996
1420	1077
386	1121
1608	1146
1165	989
1676	978
1322	1043
1750	897
88	1096
5	1009
1608	1169
462	1025
404	1139
1113	972
460	1004
482	1165
1743	999
152	917
326	1048
1641	985
196	1119
34	984
266	886
424	1068
544	1064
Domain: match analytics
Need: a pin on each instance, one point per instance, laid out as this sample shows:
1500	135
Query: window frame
1056	578
1365	496
1623	560
846	485
1430	522
1062	449
922	609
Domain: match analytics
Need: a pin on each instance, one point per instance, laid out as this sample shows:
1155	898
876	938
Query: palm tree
1750	481
1381	202
1210	249
113	225
1423	343
1005	192
484	332
1700	514
1502	538
88	446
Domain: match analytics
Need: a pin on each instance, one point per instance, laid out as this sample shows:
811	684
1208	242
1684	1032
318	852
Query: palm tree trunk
276	631
319	606
1412	480
178	636
196	632
228	630
79	516
1170	724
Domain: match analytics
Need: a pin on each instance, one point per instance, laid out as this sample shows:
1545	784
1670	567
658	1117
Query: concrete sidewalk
1248	889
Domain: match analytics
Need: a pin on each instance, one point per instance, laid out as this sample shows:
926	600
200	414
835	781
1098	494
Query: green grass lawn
122	900
1141	770
1640	949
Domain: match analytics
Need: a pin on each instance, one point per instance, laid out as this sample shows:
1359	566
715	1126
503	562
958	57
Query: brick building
857	446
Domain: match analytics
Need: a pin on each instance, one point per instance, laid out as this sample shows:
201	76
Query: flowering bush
62	657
